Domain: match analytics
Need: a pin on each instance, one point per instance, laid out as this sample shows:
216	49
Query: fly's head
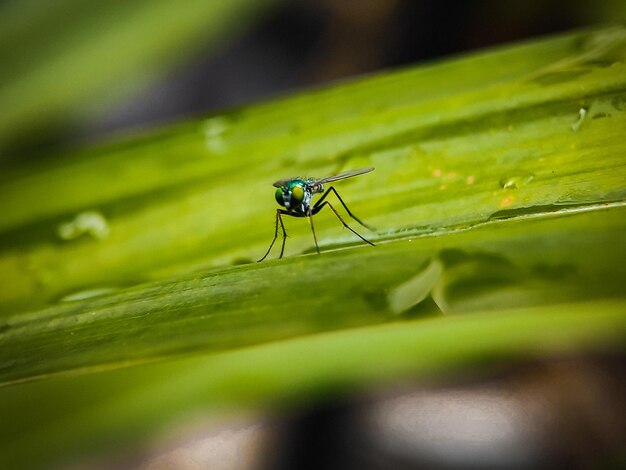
294	195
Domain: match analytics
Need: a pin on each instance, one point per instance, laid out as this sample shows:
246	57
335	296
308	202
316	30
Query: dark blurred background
278	47
306	43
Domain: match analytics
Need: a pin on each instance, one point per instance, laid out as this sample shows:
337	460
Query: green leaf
455	144
116	409
499	265
499	201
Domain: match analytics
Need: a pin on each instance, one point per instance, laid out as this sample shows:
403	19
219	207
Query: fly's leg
319	207
279	220
310	217
319	204
282	226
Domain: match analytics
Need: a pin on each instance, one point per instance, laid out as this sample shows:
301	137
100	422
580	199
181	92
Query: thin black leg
310	217
321	200
279	220
318	208
282	226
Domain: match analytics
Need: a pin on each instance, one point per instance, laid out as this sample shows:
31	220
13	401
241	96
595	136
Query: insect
295	194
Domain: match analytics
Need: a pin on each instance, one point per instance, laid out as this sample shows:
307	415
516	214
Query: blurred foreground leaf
115	410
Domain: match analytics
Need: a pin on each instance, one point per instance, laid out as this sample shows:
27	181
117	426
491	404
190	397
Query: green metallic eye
279	197
297	195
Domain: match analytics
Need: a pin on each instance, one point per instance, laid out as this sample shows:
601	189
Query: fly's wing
344	175
282	182
328	179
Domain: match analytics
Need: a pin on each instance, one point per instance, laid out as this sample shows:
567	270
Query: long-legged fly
295	195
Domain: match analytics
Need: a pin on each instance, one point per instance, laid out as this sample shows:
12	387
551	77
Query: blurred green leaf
117	409
62	61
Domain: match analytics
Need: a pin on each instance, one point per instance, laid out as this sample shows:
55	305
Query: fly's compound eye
279	196
297	195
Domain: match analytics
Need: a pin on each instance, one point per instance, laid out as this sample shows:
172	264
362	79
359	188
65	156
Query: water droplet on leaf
88	294
516	180
582	114
88	222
